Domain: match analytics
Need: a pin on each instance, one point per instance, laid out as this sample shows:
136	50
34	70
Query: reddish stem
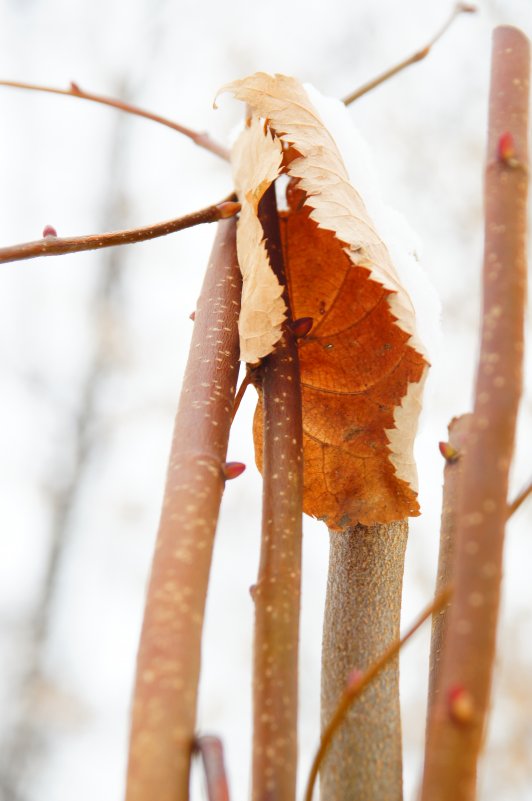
201	139
212	755
453	745
58	246
277	591
164	707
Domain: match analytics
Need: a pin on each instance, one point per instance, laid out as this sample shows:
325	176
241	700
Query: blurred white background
93	346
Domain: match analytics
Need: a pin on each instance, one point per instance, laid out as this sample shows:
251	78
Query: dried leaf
362	366
256	158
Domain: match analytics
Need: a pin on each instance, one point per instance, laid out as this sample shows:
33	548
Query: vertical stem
164	708
277	592
459	716
362	617
452	481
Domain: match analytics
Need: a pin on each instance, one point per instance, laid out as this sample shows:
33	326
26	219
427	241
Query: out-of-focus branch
362	616
452	482
201	139
212	754
277	592
519	499
355	686
57	246
164	703
458	720
419	55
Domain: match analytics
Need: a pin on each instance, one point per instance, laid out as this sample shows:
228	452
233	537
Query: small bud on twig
449	453
74	87
506	149
461	705
49	230
301	327
192	316
232	470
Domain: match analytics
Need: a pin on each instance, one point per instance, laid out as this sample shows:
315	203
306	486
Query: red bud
232	470
49	230
75	88
506	149
461	705
192	316
449	453
302	326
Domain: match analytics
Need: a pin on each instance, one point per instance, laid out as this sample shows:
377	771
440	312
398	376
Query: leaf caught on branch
257	158
363	365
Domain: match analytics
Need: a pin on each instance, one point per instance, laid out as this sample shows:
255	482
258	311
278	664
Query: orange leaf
362	365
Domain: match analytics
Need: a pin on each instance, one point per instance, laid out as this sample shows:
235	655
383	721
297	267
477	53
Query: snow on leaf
363	365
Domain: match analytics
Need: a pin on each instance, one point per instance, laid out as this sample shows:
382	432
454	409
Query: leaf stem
356	686
458	720
168	664
419	55
58	246
201	139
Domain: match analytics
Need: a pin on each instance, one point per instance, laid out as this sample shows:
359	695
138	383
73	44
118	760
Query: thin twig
452	482
201	139
278	587
58	246
358	684
168	665
457	724
419	55
241	391
212	754
519	500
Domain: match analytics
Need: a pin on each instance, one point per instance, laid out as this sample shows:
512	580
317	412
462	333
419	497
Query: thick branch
201	139
58	246
362	616
356	684
419	55
164	708
277	592
458	722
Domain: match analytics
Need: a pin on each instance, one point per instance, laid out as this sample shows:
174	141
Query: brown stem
519	500
212	755
452	482
246	381
355	687
58	246
419	55
201	139
277	592
164	704
362	615
458	720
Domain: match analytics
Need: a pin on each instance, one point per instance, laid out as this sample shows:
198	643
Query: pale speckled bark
164	709
452	481
455	733
277	592
362	618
